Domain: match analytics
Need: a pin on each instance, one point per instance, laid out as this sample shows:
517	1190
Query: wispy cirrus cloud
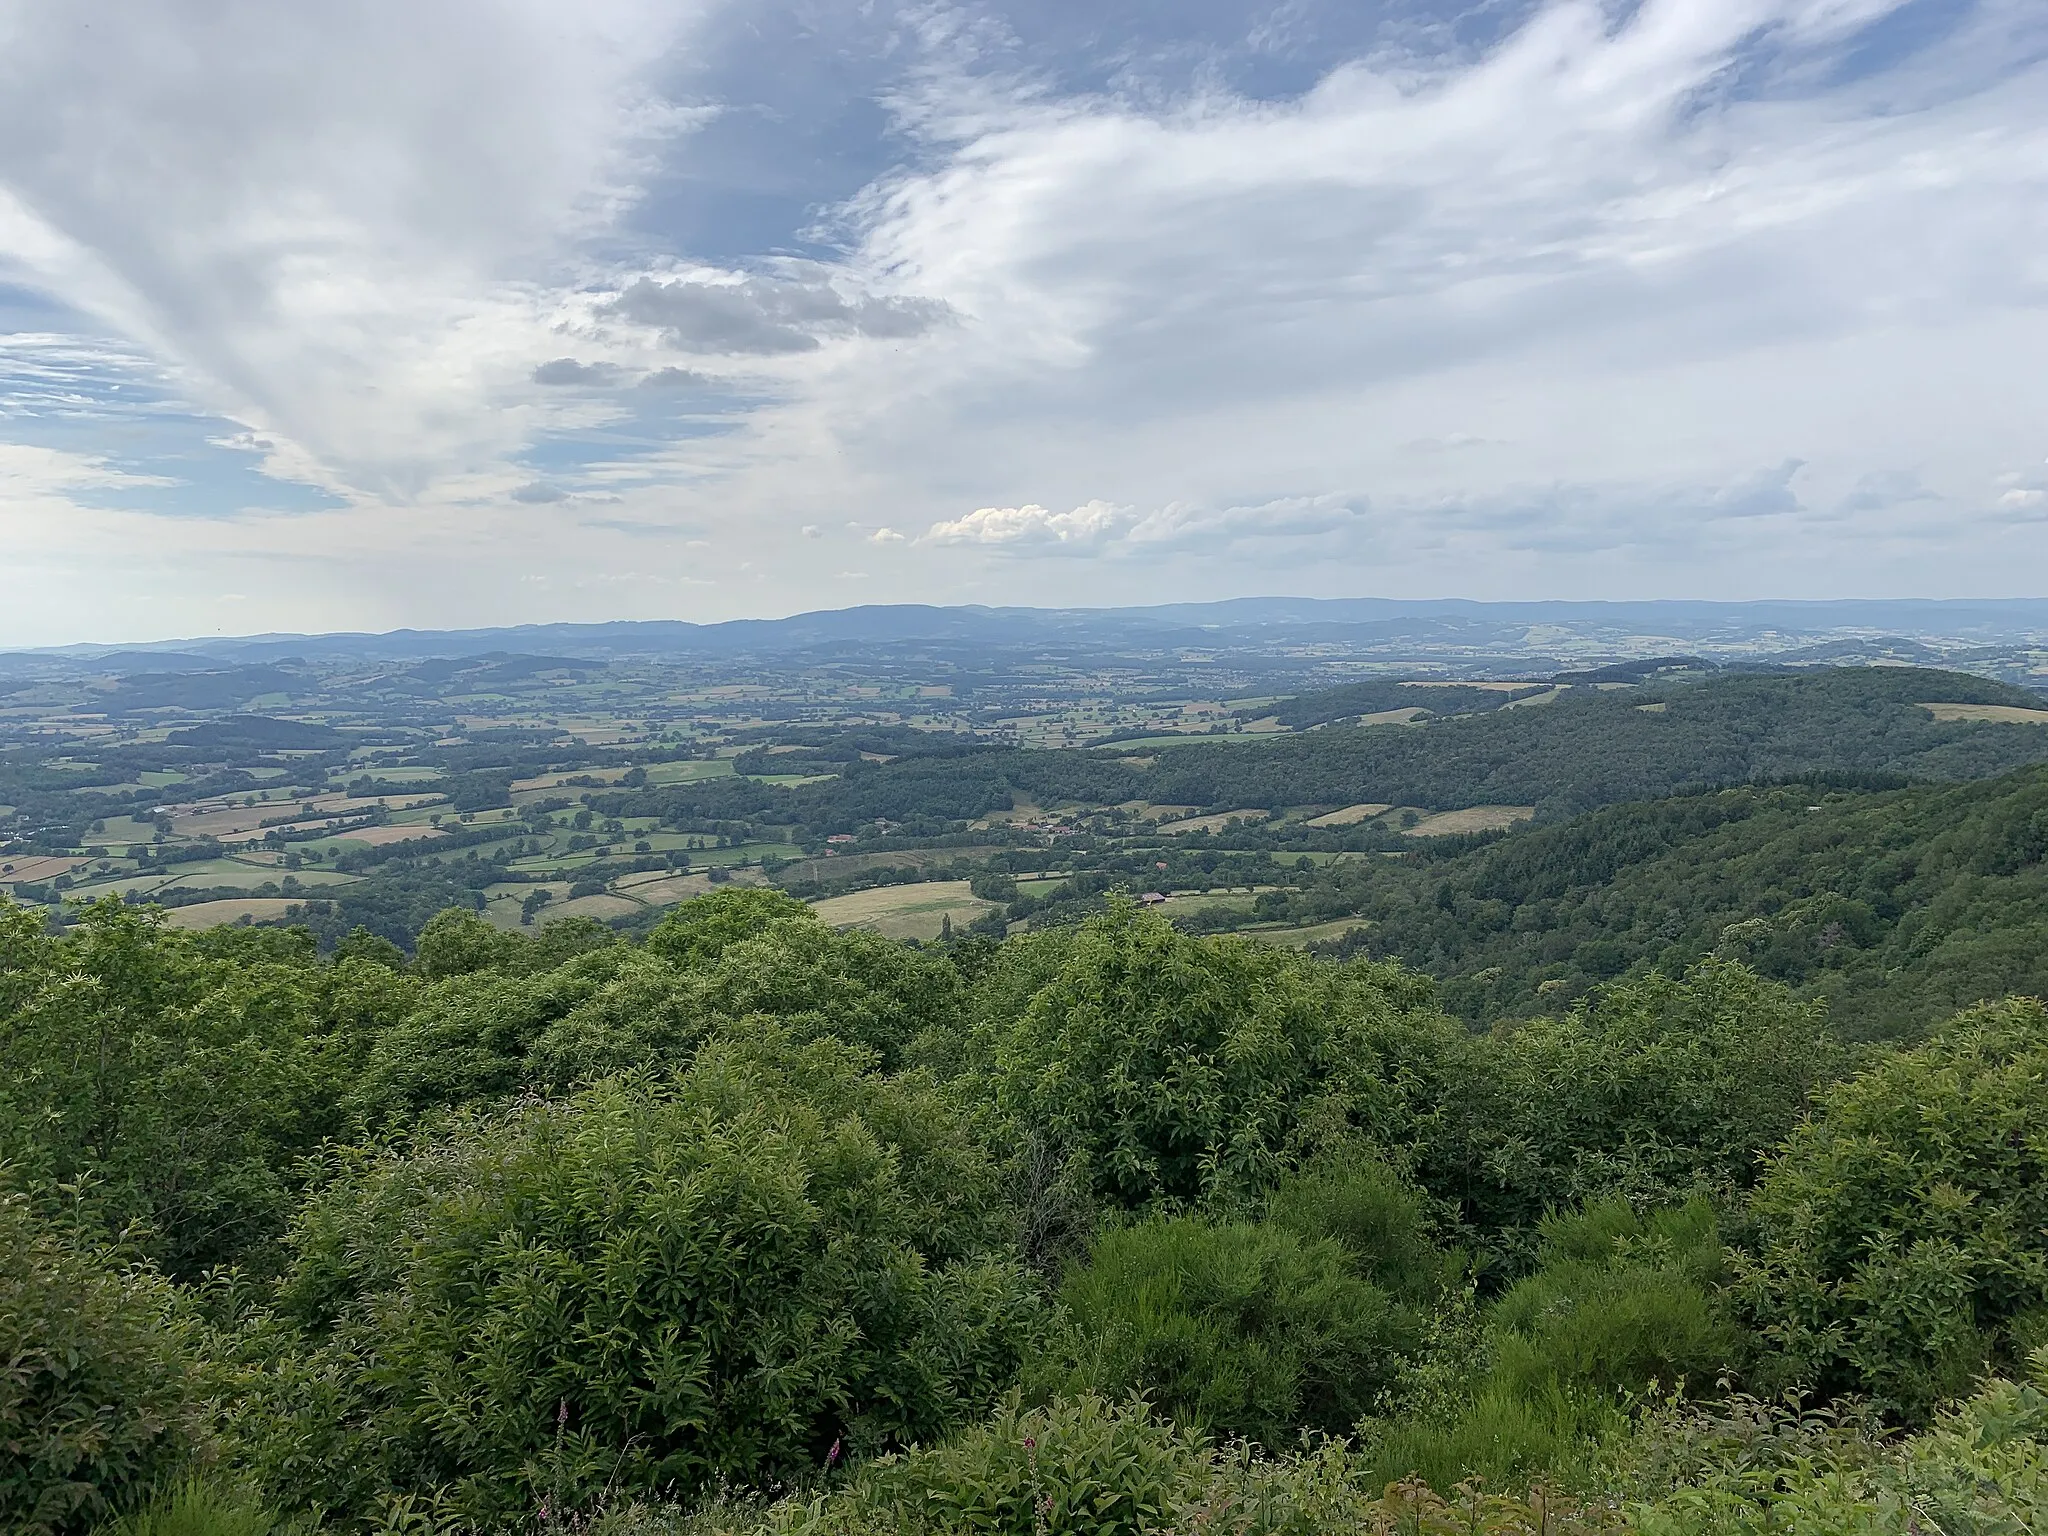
1545	297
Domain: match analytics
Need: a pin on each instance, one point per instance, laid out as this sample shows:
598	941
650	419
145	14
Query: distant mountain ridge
1423	625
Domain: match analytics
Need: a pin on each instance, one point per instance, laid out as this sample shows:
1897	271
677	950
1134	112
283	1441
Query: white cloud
1650	300
338	222
1090	526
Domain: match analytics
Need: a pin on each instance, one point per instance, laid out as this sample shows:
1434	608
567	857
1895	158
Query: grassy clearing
377	837
1476	818
1314	933
212	914
1998	714
841	865
904	911
25	867
1350	816
1214	823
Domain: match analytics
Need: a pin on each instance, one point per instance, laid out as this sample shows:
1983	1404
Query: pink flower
832	1456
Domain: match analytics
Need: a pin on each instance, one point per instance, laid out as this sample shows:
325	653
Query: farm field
214	914
2004	714
1478	818
1350	816
905	911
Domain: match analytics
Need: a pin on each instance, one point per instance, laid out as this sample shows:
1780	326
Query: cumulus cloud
1032	527
761	316
677	378
539	493
567	370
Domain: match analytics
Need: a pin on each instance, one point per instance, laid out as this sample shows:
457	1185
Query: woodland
1672	1161
756	1226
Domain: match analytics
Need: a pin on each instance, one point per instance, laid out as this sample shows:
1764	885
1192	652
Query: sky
371	314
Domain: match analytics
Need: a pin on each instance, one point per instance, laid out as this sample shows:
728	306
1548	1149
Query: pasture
904	911
1995	714
1476	818
1350	816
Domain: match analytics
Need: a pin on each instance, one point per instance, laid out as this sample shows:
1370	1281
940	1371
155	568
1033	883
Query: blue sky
372	314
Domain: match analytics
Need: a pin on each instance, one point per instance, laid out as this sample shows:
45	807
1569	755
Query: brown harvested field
1999	714
1350	816
1211	823
904	911
36	868
1477	818
211	914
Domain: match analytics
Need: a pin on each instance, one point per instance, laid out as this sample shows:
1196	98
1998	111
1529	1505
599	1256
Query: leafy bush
1751	1468
1901	1238
1620	1303
1074	1465
1375	1214
1238	1328
97	1390
644	1286
1656	1091
1173	1068
174	1089
698	931
467	1036
197	1507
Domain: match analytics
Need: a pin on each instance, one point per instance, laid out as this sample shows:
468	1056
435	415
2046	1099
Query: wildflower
832	1456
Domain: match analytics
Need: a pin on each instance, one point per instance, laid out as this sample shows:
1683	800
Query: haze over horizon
488	312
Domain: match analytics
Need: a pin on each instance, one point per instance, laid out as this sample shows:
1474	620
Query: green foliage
467	1036
1901	1238
1237	1328
698	931
98	1395
1377	1216
1655	1091
1898	908
1172	1068
1073	1466
177	1083
1621	1303
643	1286
201	1507
1755	1469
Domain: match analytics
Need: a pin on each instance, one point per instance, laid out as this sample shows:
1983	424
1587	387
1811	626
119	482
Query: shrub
1076	1465
697	932
1620	1303
1375	1214
1655	1091
642	1287
174	1090
1901	1237
1751	1468
197	1507
97	1394
1237	1328
1174	1069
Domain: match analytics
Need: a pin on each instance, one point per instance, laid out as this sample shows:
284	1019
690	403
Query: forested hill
1589	747
1898	907
1585	748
